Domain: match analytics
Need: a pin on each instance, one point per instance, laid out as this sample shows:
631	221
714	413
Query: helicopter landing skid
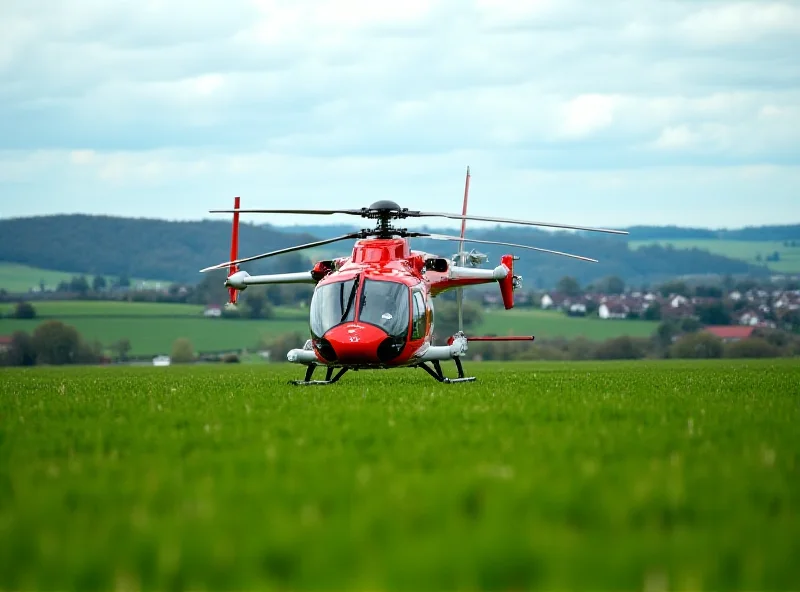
329	377
437	373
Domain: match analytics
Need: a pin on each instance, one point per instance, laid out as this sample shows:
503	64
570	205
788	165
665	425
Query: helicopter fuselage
374	309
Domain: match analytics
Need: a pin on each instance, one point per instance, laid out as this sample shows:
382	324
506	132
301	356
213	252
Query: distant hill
176	251
750	233
135	247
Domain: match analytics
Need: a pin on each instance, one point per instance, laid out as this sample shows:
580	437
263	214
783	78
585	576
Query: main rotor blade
512	221
473	240
352	235
316	212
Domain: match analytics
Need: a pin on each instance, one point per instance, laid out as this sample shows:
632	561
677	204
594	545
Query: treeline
53	343
176	251
669	342
666	343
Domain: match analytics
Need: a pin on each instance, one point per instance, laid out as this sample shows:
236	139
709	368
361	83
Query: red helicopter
374	308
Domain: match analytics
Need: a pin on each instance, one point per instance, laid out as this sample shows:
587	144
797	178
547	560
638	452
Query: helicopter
374	308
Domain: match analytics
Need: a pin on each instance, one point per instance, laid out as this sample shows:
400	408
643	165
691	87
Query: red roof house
730	333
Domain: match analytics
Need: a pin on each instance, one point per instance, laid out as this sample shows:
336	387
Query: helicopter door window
418	320
385	304
332	304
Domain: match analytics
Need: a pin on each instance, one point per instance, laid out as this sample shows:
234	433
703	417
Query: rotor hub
384	211
385	205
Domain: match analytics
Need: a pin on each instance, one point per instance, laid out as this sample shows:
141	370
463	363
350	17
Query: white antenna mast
461	255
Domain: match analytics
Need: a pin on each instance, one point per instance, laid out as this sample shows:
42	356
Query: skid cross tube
329	377
436	371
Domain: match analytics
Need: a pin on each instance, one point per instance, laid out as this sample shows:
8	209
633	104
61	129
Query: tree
569	286
22	351
714	313
121	348
56	343
697	345
755	347
708	291
279	345
621	348
614	285
690	325
79	284
99	283
446	318
791	320
746	285
211	289
675	287
666	332
182	351
24	310
258	307
653	312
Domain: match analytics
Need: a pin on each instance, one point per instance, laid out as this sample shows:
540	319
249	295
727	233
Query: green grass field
152	327
647	475
16	278
744	250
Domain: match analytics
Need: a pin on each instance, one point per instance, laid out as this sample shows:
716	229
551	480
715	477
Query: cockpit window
332	304
385	304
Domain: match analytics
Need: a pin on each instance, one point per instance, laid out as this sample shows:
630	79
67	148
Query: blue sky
608	113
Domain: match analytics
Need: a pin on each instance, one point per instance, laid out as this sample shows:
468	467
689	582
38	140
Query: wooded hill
135	247
176	251
749	233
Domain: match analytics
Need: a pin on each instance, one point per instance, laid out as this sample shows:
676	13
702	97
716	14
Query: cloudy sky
607	113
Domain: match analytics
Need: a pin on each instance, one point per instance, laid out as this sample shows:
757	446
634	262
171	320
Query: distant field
744	250
101	308
18	278
550	324
151	328
650	475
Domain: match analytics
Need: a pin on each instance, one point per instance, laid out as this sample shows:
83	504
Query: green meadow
616	475
17	278
745	250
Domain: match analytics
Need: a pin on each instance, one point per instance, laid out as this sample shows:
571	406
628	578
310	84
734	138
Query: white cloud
365	99
740	22
587	114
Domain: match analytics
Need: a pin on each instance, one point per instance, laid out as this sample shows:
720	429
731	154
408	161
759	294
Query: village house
730	333
613	310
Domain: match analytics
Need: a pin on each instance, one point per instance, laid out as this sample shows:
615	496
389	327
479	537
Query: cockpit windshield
382	303
385	304
332	304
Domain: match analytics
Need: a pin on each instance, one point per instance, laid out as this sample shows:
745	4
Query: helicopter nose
356	343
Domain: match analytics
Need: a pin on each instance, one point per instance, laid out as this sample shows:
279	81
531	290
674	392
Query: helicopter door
418	319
